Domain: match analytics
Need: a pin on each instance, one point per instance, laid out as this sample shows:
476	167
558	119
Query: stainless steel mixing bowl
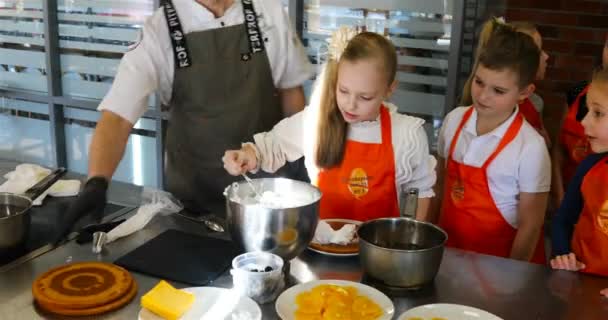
285	232
401	252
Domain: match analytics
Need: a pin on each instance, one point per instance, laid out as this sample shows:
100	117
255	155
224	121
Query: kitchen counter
507	288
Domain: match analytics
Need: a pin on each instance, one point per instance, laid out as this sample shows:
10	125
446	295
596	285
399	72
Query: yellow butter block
166	301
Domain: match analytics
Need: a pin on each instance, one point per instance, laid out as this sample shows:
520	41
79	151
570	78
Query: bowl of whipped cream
276	215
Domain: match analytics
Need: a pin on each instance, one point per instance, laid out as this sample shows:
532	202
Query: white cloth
522	166
27	175
294	137
149	65
153	202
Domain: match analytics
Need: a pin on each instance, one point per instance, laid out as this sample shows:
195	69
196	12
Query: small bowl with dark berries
258	275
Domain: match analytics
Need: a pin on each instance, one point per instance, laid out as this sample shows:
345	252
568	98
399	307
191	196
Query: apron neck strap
254	35
176	33
178	37
507	138
385	125
465	117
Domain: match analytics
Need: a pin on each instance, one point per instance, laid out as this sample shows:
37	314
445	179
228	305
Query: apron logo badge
358	183
602	218
245	57
457	191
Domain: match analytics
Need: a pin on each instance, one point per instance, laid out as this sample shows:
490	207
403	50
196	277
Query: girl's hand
567	262
604	292
237	162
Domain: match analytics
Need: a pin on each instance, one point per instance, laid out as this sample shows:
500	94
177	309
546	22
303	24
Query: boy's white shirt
149	65
523	165
294	137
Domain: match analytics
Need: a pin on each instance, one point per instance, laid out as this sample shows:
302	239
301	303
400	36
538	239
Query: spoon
250	182
209	223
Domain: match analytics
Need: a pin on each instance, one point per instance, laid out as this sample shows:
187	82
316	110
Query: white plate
212	303
286	303
448	311
355	222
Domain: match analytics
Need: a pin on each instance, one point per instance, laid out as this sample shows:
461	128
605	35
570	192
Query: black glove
91	200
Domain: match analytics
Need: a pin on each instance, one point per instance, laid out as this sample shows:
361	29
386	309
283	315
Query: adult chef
225	68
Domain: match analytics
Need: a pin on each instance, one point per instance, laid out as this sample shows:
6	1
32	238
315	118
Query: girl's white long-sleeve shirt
296	136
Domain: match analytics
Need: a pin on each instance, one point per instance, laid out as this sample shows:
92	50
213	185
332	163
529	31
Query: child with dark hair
531	106
494	171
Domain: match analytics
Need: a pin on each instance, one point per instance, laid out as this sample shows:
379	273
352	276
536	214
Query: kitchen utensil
184	257
250	182
401	252
210	221
258	275
15	212
285	232
409	203
85	234
99	240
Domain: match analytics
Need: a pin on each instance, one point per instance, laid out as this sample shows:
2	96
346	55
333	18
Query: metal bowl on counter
401	252
15	215
285	228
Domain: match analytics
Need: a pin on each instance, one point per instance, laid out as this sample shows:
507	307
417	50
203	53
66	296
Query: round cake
94	310
83	286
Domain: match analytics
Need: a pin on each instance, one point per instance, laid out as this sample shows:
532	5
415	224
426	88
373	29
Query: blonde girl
358	149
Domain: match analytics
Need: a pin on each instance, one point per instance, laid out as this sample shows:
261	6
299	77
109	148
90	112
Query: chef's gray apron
223	93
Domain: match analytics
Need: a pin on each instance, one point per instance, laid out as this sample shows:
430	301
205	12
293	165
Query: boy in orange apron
580	227
358	149
496	173
572	146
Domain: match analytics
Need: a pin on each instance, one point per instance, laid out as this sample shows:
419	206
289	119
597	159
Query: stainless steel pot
285	232
401	252
15	212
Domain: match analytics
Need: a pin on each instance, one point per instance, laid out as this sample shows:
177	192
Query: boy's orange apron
590	238
362	187
530	113
469	215
573	139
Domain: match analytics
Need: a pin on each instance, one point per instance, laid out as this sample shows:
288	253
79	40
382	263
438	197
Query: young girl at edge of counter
580	227
571	145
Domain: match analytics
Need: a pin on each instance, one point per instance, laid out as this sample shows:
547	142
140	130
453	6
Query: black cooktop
44	225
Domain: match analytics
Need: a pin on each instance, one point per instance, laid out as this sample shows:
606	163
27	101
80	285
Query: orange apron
573	139
469	215
590	238
362	187
531	115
